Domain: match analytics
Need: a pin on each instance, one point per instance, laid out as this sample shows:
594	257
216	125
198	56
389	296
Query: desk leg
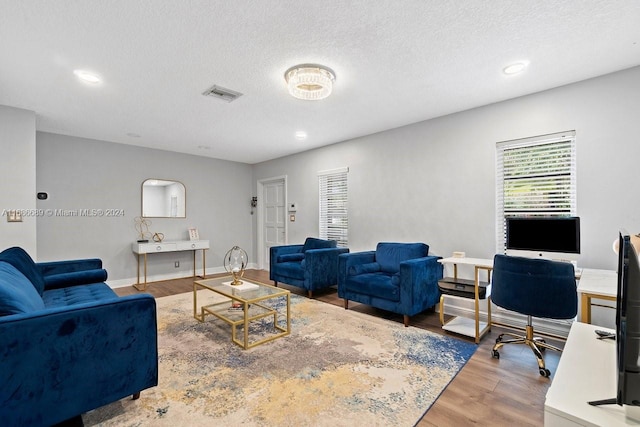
489	302
585	309
194	263
476	304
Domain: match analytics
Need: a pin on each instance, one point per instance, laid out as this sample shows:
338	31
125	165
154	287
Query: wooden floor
487	392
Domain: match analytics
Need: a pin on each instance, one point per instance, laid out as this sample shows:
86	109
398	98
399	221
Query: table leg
477	304
204	269
585	310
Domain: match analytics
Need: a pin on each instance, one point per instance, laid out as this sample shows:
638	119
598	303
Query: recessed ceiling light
87	76
133	135
301	135
515	68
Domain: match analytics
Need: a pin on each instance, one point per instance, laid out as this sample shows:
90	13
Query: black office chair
537	288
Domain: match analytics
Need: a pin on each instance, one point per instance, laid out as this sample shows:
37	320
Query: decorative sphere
235	261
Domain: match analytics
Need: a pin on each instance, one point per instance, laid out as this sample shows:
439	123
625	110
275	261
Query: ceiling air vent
219	92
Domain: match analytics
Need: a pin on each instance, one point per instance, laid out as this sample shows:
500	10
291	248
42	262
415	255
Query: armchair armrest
64	361
276	251
419	283
346	261
321	266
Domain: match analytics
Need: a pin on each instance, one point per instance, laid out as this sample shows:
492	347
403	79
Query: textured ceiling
397	62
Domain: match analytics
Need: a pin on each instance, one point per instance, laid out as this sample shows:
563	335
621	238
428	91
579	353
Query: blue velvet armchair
311	266
398	277
68	343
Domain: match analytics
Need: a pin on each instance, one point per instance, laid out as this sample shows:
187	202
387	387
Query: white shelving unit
461	325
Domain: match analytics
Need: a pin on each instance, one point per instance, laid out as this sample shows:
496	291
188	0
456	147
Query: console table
597	284
586	372
460	325
142	249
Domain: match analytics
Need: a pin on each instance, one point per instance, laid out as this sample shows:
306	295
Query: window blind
535	176
334	221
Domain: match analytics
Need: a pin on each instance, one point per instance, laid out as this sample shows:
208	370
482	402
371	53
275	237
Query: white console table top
169	246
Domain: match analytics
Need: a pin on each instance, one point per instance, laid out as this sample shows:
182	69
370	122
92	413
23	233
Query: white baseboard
121	283
464	308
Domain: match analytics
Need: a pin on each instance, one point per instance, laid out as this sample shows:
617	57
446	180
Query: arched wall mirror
163	199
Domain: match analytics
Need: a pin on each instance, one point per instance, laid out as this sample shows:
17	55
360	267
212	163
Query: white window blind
334	222
535	176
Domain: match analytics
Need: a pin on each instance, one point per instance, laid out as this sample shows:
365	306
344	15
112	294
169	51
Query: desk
177	246
598	284
469	327
586	372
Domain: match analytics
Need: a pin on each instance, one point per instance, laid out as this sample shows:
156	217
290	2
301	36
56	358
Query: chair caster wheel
545	372
499	339
495	354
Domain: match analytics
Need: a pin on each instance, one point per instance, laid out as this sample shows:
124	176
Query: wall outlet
177	264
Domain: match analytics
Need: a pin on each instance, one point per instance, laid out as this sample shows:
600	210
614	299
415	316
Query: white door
273	217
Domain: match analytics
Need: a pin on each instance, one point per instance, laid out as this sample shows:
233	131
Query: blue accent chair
311	266
68	343
398	277
537	288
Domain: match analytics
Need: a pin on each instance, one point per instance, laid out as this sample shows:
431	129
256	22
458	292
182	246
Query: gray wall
434	181
17	166
88	174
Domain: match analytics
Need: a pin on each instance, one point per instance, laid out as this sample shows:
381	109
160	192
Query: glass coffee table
244	304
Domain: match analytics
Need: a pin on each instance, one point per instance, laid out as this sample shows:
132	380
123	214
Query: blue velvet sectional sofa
311	266
68	343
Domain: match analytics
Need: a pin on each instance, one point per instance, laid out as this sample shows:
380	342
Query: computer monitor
550	237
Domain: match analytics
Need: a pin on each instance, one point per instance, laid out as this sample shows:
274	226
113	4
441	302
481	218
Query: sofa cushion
390	255
73	295
74	278
290	257
21	260
294	270
313	243
17	294
374	284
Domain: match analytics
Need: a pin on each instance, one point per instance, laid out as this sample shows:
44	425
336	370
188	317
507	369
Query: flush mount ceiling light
515	68
301	135
87	76
309	81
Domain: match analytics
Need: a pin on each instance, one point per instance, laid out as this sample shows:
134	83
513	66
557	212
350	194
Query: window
535	176
334	222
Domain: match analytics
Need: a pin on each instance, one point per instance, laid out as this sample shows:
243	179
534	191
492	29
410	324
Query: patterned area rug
337	368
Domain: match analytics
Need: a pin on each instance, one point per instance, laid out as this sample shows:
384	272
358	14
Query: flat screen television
551	237
627	326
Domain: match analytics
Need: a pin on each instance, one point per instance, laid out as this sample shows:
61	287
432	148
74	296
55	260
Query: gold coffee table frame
252	309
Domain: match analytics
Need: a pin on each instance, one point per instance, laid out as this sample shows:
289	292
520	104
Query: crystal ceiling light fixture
309	81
